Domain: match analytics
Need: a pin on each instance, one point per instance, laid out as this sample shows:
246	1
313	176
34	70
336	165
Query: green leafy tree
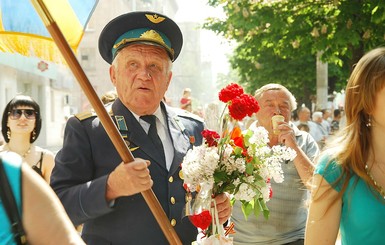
277	41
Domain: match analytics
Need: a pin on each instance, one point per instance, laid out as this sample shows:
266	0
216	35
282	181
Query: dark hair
304	127
21	100
336	112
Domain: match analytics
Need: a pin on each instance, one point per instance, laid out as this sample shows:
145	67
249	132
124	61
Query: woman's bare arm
44	218
324	216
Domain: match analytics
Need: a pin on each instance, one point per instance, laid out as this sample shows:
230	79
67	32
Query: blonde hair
352	146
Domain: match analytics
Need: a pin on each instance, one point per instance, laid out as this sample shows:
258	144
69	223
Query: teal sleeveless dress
363	212
12	166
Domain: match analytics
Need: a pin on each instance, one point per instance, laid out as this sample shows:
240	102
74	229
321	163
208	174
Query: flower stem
223	121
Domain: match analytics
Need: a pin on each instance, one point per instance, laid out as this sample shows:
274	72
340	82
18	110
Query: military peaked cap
140	27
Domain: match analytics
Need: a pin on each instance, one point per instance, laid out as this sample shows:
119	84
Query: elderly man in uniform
94	185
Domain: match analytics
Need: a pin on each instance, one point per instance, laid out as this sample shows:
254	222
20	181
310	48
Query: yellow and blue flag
22	31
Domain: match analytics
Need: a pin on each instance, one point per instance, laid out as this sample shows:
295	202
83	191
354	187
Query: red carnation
201	220
253	105
230	92
242	106
211	137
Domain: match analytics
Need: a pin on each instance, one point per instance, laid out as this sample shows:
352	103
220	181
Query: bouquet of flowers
240	163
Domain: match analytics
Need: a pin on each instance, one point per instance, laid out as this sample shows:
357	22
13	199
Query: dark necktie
153	134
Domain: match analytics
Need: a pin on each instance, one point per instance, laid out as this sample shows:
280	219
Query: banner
22	31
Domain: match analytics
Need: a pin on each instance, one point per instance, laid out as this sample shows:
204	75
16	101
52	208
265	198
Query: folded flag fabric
22	31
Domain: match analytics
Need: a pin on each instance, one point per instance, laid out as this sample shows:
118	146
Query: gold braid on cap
155	18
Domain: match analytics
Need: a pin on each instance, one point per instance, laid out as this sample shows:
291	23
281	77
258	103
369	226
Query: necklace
25	153
378	187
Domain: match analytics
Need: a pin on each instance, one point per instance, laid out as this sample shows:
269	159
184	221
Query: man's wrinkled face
141	74
273	102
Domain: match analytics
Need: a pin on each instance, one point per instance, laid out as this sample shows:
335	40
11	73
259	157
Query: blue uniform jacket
88	156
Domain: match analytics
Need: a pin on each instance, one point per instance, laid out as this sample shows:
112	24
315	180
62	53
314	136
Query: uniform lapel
179	138
136	135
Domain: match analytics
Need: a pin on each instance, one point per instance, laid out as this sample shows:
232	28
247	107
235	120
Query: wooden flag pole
104	117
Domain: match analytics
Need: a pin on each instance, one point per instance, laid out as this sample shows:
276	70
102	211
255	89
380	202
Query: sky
198	10
213	46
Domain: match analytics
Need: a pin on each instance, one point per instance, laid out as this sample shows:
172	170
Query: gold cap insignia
152	35
155	18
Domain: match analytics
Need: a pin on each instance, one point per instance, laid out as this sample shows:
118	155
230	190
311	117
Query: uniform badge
134	148
121	123
155	18
192	139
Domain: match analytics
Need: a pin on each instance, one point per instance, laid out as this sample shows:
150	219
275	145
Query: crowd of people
337	173
321	124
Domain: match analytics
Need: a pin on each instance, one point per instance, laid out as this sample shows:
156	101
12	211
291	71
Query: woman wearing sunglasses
20	126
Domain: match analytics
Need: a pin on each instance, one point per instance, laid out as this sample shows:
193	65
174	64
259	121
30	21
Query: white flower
284	152
244	170
260	135
227	153
199	165
245	193
233	164
265	191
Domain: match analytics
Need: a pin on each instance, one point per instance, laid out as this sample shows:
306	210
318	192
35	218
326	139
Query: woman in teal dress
348	186
42	215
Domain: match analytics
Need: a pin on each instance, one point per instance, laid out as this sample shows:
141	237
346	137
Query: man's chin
143	107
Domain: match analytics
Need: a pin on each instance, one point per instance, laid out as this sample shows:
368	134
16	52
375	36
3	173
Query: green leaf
262	204
260	183
232	201
248	133
273	42
220	176
263	208
238	151
249	168
374	10
257	211
266	214
229	188
246	209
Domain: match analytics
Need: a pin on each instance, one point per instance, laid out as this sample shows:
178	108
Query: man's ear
113	74
169	78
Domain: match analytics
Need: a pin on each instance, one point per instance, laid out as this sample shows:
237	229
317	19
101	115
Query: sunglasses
15	114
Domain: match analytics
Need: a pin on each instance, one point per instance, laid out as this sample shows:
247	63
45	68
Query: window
87	58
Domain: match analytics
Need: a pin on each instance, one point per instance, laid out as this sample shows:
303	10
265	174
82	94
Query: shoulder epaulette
186	114
86	114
